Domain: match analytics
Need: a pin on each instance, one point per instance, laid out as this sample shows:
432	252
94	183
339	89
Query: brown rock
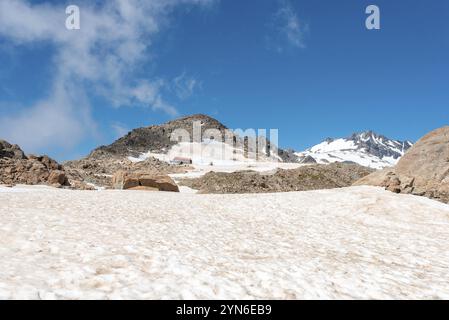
141	188
16	168
123	180
423	170
57	177
80	185
163	183
8	150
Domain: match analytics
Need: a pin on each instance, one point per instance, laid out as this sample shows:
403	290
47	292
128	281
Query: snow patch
353	243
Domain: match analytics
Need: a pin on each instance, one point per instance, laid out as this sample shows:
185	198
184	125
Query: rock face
16	168
423	170
123	180
311	177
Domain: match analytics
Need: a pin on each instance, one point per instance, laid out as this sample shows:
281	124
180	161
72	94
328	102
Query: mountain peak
187	122
155	138
367	148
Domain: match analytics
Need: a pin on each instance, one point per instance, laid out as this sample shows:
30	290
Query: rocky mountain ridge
365	148
157	139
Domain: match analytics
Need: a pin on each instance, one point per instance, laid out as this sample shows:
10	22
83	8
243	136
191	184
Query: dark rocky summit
379	145
311	177
157	138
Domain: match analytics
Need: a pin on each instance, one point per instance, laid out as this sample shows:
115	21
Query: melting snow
359	242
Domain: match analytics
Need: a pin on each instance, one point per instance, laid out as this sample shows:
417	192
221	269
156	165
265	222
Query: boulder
423	170
57	177
124	180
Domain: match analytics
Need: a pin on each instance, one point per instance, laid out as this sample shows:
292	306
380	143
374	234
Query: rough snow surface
359	242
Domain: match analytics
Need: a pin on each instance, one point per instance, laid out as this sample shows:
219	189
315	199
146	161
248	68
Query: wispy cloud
114	41
119	129
185	86
286	28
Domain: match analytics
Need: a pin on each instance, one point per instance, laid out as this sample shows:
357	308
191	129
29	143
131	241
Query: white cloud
287	28
59	120
114	41
185	86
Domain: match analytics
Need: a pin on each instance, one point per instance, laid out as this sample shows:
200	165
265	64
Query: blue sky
308	68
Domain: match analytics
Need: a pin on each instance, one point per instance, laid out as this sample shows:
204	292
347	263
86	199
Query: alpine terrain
366	148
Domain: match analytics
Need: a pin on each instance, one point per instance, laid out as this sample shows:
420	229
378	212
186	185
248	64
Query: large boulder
423	170
124	180
57	177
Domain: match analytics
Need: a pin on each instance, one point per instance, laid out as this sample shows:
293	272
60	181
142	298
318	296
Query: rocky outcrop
123	180
423	170
17	168
31	170
100	172
310	177
10	151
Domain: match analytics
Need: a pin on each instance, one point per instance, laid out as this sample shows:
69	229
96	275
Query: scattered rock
30	171
311	177
100	171
17	168
80	185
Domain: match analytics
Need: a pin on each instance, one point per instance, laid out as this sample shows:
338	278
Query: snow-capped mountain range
365	148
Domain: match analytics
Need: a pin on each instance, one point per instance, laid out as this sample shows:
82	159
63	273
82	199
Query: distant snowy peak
365	148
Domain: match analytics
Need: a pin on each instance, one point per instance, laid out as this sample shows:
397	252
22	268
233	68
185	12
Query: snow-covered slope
355	243
216	156
366	148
